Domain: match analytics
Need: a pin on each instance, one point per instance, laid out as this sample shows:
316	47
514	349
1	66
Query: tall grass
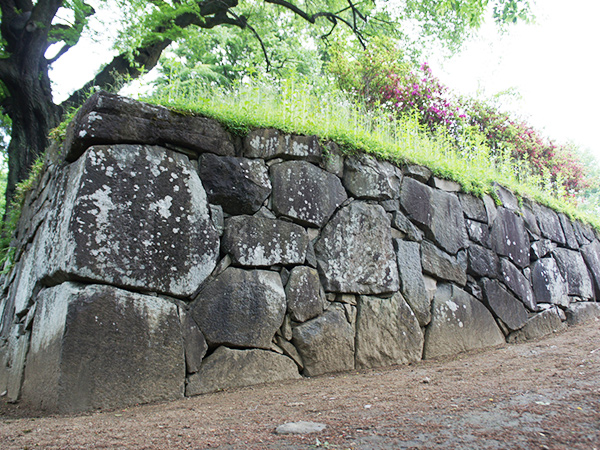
296	106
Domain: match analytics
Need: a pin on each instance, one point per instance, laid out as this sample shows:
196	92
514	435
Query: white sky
552	64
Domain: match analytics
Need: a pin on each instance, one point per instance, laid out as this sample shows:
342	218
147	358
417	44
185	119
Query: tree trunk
33	115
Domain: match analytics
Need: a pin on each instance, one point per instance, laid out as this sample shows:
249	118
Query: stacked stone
161	257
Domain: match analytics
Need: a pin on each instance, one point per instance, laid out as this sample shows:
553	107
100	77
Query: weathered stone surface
582	312
259	242
548	284
591	256
542	324
241	308
419	173
504	305
290	350
509	237
443	266
387	333
473	207
479	233
355	252
193	340
270	143
13	354
229	368
542	248
126	209
549	224
583	233
568	231
239	185
445	185
333	159
303	292
508	199
412	282
574	271
482	262
305	193
401	222
459	323
517	283
301	427
490	208
438	213
325	343
110	119
530	219
98	346
367	178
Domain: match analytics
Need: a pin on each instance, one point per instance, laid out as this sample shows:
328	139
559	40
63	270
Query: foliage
407	90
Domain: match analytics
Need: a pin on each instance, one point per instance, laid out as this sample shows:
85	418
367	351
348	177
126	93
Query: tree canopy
36	34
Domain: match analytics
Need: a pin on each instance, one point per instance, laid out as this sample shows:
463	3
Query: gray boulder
193	340
542	324
241	308
125	209
549	224
387	333
261	242
401	223
507	198
509	237
504	305
367	178
443	266
304	193
512	277
548	284
326	343
419	173
14	346
574	271
437	212
98	346
411	279
568	231
473	207
591	256
304	294
479	233
582	312
110	119
542	248
482	262
239	185
229	368
355	252
583	232
270	143
459	323
530	219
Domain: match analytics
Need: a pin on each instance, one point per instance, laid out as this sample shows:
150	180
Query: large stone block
548	284
582	312
304	193
411	279
591	256
256	241
473	207
459	323
569	232
304	294
355	252
542	324
110	119
326	343
367	178
504	305
240	308
509	237
239	185
549	224
98	346
482	262
440	265
270	143
574	271
229	368
437	212
514	279
387	332
134	217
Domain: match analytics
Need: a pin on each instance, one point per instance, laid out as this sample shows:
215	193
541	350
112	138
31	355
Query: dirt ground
538	395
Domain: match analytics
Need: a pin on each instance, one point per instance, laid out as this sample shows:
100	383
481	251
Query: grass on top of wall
296	107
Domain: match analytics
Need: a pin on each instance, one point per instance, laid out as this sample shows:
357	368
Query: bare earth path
539	395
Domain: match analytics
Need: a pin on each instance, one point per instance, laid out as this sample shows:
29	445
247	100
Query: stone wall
161	257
